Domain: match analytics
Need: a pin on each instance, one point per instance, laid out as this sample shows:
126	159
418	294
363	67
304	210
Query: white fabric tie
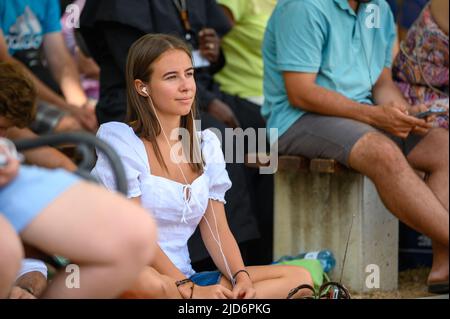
187	195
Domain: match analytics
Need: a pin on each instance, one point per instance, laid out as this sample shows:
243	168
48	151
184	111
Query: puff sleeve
122	139
215	169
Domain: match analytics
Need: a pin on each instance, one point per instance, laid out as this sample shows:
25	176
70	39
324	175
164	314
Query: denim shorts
31	192
207	278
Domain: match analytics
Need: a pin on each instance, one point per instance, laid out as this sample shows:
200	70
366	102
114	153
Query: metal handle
86	142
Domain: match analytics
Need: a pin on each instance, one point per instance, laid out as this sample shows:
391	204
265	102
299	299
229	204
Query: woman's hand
394	118
244	287
416	109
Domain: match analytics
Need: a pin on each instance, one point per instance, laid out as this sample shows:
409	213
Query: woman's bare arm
216	212
439	10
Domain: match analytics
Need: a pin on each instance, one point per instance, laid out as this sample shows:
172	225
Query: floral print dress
421	68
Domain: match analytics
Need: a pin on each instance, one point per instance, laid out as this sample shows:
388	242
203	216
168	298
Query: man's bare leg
431	156
401	190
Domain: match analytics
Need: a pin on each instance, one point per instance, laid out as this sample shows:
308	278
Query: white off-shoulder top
177	214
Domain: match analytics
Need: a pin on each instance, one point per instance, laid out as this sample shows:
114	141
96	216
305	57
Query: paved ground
411	285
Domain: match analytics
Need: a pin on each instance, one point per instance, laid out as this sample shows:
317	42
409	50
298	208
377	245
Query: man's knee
440	139
431	154
375	153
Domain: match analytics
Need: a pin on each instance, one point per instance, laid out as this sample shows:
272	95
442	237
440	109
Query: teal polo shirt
347	50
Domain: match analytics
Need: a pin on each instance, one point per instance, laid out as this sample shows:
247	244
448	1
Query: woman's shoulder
209	139
120	136
208	136
211	147
114	126
115	130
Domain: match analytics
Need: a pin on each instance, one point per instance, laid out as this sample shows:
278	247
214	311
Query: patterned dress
421	68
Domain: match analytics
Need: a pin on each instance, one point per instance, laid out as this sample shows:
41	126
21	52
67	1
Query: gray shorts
319	136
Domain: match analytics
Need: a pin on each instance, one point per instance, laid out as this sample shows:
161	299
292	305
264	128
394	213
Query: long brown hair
140	115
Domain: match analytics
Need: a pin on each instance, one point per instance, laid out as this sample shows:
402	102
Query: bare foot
439	273
438	276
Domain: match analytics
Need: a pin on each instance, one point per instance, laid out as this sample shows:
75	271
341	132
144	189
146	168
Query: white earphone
144	90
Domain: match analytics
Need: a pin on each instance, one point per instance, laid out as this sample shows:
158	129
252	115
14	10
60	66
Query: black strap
241	271
183	282
181	6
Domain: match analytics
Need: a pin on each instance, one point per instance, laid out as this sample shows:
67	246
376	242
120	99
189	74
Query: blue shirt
348	51
25	22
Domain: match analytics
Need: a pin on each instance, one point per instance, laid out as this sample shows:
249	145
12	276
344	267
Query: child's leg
107	236
11	254
276	281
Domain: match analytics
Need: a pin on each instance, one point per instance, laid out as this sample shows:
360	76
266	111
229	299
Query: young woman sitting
182	181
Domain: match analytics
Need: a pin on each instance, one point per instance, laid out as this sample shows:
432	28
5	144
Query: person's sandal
438	288
329	290
294	291
333	290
